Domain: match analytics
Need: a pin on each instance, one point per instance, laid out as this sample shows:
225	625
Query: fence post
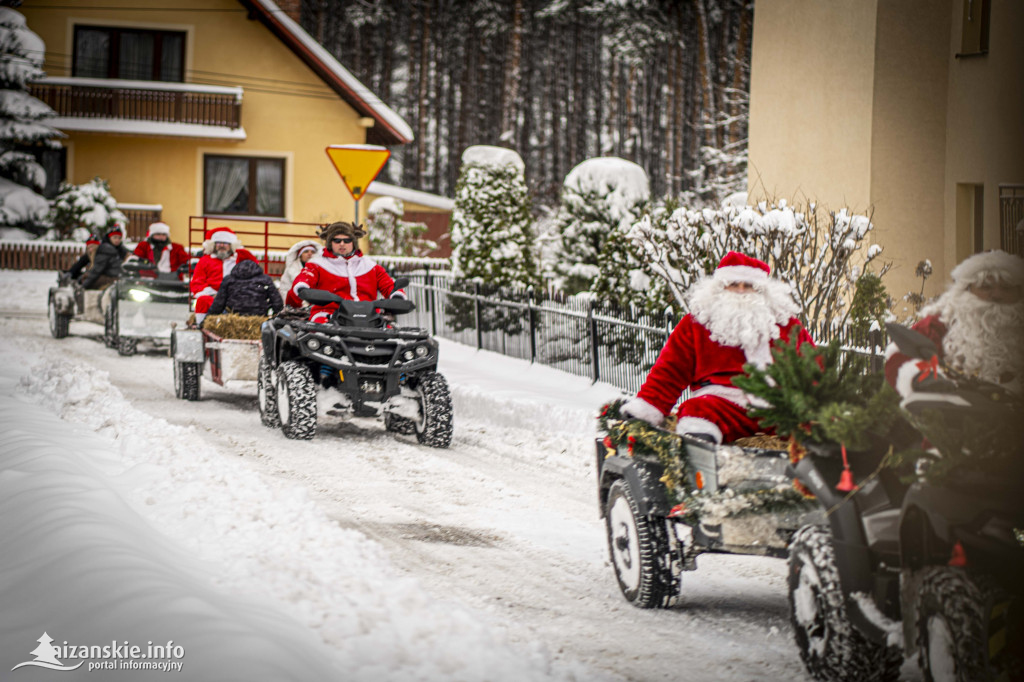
531	321
595	363
476	315
875	339
429	299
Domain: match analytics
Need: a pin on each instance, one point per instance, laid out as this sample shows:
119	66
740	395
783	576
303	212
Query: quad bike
651	541
133	308
364	362
932	567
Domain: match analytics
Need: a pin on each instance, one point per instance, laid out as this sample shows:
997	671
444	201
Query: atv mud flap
643	476
187	345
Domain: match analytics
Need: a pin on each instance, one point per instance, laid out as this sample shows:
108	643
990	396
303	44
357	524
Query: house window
974	36
242	185
132	54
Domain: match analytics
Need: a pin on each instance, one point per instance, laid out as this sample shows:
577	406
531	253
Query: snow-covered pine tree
492	231
391	235
23	124
601	199
81	210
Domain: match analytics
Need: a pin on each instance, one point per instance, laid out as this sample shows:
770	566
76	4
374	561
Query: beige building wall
812	68
916	135
287	112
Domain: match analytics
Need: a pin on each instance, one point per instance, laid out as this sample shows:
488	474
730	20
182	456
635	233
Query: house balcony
143	107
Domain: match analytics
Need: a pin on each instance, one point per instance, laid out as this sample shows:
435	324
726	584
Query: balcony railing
142	101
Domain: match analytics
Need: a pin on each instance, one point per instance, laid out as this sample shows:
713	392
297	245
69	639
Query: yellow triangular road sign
358	165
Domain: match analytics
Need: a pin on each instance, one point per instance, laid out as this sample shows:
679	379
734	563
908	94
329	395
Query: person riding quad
294	261
247	291
736	315
106	266
85	262
342	269
158	248
977	325
222	252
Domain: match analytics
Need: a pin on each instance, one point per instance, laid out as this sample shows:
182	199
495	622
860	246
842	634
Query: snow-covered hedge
81	210
819	254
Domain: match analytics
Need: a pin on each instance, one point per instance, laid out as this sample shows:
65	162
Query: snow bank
267	540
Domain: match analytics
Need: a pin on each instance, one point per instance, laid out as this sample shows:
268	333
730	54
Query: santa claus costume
214	266
167	255
724	330
974	335
354	277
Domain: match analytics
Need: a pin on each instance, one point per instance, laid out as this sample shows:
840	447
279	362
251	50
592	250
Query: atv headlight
313	344
421	351
138	295
328	350
407	355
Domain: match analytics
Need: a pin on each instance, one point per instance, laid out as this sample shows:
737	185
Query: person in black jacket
106	267
84	263
247	291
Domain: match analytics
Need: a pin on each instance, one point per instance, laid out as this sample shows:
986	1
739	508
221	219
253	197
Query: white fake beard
983	338
748	320
223	255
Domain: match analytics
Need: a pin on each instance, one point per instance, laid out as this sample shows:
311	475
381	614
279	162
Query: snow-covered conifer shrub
601	198
821	255
492	231
80	210
391	235
23	124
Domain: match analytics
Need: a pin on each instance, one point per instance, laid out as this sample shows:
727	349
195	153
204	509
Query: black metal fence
582	336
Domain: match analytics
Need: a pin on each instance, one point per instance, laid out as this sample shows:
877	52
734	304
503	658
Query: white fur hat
158	228
997	265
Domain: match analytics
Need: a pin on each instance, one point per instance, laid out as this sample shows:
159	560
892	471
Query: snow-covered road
487	560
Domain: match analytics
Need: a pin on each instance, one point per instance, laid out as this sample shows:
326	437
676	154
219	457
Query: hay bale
764	441
231	326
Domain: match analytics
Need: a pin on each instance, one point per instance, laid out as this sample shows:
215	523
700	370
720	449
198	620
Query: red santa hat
220	235
739	267
158	228
990	265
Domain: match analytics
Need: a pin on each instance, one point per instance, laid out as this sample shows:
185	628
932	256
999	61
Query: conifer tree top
486	156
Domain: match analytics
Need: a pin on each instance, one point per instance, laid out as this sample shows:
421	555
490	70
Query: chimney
293	8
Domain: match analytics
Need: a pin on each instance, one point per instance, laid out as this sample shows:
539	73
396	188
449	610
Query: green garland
644	441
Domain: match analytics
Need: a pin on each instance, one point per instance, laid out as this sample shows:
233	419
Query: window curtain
225	179
269	181
170	60
92	53
136	60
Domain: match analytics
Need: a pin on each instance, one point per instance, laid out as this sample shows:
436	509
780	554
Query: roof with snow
411	195
389	128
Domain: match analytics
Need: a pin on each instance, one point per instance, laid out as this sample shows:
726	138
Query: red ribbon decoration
928	368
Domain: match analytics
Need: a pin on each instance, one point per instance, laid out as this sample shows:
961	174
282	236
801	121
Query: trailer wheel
58	321
968	630
435	425
400	425
266	394
296	400
186	379
830	647
639	551
127	346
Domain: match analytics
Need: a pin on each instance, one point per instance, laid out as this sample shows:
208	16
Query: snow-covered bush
391	235
492	233
601	198
81	210
820	256
23	124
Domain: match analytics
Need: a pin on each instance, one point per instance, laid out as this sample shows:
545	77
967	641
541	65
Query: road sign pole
357	211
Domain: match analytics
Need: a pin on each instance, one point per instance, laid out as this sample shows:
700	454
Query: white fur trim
159	228
641	409
730	393
905	376
299	286
699	425
200	317
740	273
974	269
224	238
208	291
398	293
321	317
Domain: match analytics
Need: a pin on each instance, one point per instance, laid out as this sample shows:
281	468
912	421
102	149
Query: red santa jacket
356	278
690	359
900	369
172	257
211	271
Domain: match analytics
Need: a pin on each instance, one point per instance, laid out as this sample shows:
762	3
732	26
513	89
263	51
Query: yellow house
912	109
221	108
